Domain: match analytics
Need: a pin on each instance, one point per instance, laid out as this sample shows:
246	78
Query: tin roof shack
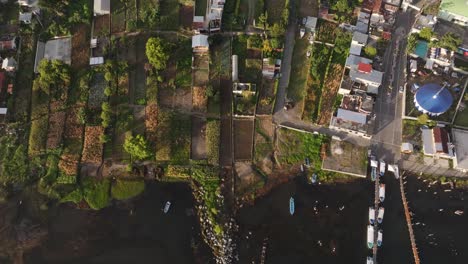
311	24
436	142
101	7
54	49
358	42
362	24
460	140
245	97
271	70
9	64
200	44
7	43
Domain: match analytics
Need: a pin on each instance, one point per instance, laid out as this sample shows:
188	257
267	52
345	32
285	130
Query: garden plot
96	91
243	139
101	32
345	157
186	16
198	146
80	47
24	77
118	18
173	137
56	124
263	149
201	62
274	8
266	97
308	8
253	71
92	149
169	10
326	31
200	100
329	93
200	77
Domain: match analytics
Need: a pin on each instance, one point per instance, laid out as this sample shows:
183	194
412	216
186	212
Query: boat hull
291	206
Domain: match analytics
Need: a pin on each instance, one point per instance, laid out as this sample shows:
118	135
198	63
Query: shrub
212	141
96	193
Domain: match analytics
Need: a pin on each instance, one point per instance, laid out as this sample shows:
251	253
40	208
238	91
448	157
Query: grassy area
173	138
39	121
126	189
239	48
169	14
200	7
462	116
24	77
295	146
253	71
274	8
411	132
212	141
299	69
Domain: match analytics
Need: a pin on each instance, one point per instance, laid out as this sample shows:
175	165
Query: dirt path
250	16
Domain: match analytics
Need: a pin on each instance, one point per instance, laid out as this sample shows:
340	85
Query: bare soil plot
201	62
80	47
92	150
198	147
200	77
151	121
266	97
186	16
308	8
345	157
243	138
101	32
183	99
118	20
326	31
199	100
56	125
329	93
274	9
263	148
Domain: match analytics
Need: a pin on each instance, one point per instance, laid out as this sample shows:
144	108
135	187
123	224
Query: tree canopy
137	147
449	41
157	52
370	51
426	34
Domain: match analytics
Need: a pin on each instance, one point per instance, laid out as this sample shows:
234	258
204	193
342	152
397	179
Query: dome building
433	99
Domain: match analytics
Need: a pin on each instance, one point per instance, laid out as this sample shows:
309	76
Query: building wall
451	17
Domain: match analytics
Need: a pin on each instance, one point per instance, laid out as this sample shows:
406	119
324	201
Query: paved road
386	141
287	58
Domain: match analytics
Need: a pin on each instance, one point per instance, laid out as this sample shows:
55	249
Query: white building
9	64
436	142
200	43
101	7
455	11
54	49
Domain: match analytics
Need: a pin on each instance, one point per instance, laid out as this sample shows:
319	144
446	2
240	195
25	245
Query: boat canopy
374	163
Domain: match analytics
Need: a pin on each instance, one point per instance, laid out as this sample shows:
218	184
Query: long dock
376	224
408	222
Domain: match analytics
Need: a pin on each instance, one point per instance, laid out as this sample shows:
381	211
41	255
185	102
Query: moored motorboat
370	260
370	236
371	215
382	192
382	167
379	238
314	178
380	215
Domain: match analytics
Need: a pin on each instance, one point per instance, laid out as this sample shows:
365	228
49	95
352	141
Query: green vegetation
137	147
96	193
449	41
344	9
299	69
65	14
173	138
157	52
14	169
184	63
461	118
370	51
169	15
200	7
426	34
208	182
126	189
180	172
341	48
423	119
212	141
412	42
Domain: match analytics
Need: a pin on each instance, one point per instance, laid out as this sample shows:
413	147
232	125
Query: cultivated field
243	139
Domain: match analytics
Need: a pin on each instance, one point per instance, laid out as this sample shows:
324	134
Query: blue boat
291	206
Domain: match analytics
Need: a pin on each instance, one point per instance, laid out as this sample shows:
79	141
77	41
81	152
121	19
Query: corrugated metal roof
200	41
351	116
428	141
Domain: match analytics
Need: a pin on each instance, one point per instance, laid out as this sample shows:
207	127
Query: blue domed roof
433	99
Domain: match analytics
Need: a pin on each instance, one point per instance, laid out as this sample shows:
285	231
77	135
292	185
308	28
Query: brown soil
80	47
186	16
200	77
69	163
308	8
201	62
243	139
199	99
198	147
254	54
92	149
56	125
183	99
266	97
329	92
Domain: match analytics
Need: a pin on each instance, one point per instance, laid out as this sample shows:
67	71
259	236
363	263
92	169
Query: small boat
380	215
291	206
302	32
382	167
379	238
382	192
370	260
459	212
373	173
314	178
370	236
371	215
302	168
167	206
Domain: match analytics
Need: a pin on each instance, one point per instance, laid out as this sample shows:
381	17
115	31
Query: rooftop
54	49
311	23
351	116
460	139
459	7
102	7
355	60
200	41
360	37
372	5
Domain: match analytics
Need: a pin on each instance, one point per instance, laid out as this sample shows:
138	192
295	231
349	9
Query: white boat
302	32
370	260
380	215
308	54
302	168
459	212
374	164
382	167
382	192
371	215
167	206
379	238
370	236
